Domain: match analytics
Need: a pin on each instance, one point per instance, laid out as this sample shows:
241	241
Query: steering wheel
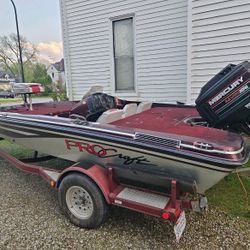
78	119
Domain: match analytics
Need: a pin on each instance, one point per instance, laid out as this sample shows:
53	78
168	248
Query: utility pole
19	43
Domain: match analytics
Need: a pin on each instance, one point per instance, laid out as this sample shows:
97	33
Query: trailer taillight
165	216
52	184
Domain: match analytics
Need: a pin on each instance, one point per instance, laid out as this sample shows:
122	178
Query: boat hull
131	163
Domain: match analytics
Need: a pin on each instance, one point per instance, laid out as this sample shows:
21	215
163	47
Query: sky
39	22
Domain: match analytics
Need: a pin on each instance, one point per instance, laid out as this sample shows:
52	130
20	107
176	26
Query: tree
9	52
37	73
40	75
33	71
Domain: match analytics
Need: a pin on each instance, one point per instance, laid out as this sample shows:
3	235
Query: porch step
144	198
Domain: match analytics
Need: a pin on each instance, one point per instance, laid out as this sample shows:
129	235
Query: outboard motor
224	102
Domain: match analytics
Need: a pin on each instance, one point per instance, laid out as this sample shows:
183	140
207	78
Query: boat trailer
85	193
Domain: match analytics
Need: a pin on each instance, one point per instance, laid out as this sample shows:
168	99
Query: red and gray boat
195	145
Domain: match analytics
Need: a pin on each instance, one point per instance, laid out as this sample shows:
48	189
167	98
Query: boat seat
129	109
110	115
143	106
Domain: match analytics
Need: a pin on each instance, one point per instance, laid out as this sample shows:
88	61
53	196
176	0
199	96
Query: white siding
220	35
66	49
160	46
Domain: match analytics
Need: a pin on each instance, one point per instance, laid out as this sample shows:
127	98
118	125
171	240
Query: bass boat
146	144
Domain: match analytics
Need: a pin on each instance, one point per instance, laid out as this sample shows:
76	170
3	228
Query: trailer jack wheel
82	201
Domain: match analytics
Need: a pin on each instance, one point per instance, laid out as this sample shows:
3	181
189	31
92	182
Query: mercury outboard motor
224	102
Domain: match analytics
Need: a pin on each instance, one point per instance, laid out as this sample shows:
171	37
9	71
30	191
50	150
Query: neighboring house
56	72
151	49
6	78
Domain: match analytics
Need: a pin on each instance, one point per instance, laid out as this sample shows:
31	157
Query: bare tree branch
9	51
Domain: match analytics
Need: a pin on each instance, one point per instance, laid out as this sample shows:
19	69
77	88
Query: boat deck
158	119
166	119
171	120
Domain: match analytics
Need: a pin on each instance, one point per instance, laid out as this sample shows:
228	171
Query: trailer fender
97	174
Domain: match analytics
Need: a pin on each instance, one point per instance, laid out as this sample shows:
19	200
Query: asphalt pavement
34	100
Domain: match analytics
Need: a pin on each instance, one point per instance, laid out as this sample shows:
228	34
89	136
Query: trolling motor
224	102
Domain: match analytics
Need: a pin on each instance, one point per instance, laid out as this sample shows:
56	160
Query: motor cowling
224	101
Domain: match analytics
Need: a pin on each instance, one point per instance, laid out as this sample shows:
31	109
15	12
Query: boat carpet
172	120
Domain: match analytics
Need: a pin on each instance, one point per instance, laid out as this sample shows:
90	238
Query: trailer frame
169	207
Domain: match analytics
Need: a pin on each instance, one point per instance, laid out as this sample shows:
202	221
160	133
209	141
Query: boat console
94	105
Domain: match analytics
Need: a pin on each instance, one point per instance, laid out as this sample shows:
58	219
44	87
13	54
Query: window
123	43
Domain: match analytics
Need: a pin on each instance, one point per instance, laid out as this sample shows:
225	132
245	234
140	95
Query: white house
6	79
56	72
160	50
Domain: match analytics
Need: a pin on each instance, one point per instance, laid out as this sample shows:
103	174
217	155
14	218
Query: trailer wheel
82	201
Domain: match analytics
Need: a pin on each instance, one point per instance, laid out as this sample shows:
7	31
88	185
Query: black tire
99	207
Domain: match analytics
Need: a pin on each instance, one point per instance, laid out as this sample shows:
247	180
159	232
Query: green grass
15	150
10	100
21	153
229	197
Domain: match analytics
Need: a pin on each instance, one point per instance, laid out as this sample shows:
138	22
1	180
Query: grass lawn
10	100
227	195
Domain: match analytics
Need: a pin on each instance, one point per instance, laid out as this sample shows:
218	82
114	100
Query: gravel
30	218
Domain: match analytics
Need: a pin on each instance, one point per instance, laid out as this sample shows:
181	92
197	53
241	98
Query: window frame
122	93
